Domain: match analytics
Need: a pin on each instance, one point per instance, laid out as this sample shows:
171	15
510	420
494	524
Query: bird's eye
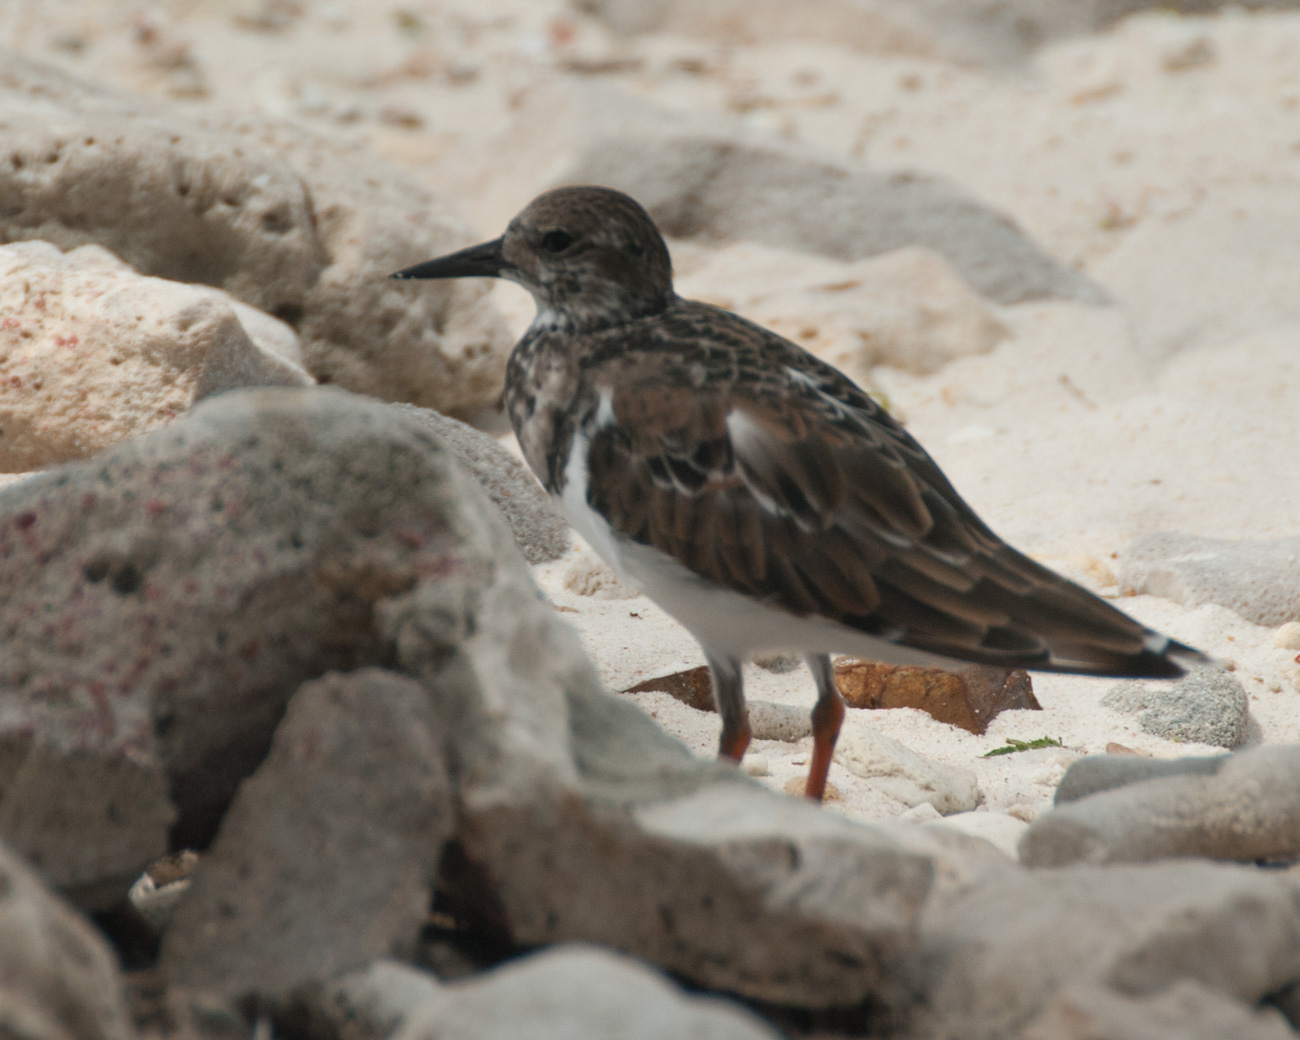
556	241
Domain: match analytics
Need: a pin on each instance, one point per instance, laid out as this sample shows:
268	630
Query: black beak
481	261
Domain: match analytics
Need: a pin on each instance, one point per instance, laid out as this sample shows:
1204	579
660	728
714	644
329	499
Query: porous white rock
92	352
769	721
540	530
997	954
326	858
1185	1011
304	226
903	774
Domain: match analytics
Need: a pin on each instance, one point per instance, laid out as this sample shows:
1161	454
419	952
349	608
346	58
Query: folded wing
815	501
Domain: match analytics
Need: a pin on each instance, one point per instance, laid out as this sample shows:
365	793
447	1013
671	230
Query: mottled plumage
754	491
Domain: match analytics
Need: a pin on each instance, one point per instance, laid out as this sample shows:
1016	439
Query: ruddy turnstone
753	491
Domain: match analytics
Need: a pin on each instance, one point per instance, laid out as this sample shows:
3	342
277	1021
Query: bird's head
591	257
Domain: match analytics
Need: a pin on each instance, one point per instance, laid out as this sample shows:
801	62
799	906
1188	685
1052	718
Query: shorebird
753	491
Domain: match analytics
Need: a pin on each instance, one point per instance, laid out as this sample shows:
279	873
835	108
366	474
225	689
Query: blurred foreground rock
1010	951
92	353
563	993
707	178
326	857
270	536
1185	1011
300	226
1242	807
580	819
58	977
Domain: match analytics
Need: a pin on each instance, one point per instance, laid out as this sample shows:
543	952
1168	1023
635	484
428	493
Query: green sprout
1012	746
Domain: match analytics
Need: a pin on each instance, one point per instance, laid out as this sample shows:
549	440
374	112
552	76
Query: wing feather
810	497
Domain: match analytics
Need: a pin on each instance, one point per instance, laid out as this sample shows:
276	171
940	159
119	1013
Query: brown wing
816	501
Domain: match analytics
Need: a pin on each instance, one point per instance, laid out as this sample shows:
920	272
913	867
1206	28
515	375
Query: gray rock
89	821
1259	580
540	530
58	977
1097	773
1247	809
1207	705
560	994
272	535
996	957
303	227
996	33
581	820
163	601
707	178
326	858
1185	1011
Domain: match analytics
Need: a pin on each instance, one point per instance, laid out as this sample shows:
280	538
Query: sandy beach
1159	158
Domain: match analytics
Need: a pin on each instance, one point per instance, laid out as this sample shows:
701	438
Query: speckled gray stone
1208	706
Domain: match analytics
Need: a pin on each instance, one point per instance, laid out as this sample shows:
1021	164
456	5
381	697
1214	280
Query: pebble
923	813
788	722
1288	636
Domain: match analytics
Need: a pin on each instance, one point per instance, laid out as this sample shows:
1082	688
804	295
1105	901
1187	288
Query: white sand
1161	158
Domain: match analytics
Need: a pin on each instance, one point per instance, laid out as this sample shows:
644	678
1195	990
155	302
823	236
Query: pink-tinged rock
92	352
301	226
160	603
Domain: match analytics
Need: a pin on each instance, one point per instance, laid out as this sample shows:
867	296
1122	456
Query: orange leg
729	697
732	745
827	717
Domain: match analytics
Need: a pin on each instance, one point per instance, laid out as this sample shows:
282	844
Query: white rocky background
281	628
